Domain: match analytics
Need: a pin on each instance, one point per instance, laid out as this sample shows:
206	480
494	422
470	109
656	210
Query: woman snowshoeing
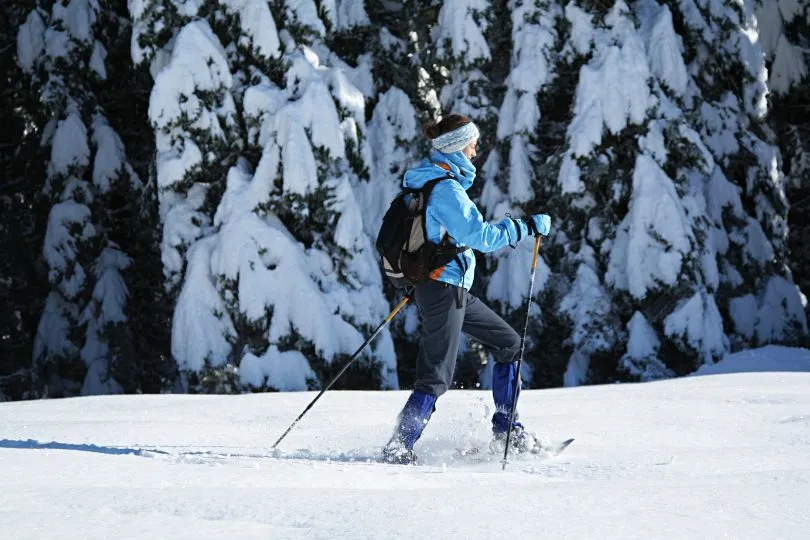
446	308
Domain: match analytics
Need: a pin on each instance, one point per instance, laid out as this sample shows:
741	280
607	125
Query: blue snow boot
503	388
410	424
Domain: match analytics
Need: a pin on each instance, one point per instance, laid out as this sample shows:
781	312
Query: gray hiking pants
443	319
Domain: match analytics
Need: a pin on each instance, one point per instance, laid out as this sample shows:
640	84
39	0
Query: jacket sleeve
452	208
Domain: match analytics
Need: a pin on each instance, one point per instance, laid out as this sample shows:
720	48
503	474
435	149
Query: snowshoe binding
521	442
396	453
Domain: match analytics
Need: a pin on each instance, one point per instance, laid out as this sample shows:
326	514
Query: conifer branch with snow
87	173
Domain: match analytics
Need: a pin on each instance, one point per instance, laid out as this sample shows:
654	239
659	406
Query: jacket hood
428	169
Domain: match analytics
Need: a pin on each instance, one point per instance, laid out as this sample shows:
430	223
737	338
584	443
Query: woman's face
469	150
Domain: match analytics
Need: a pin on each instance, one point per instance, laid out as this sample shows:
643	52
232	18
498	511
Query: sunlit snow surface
700	457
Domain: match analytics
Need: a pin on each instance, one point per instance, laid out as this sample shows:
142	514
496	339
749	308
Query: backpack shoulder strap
427	189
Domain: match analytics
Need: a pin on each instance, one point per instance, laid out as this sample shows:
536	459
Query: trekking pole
520	358
349	363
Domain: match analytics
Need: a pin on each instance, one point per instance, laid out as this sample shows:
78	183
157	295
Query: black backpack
407	255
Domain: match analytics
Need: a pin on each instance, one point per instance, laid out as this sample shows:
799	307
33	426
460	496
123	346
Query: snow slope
769	358
700	457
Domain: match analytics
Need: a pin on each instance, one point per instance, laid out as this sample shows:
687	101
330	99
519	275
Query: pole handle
536	252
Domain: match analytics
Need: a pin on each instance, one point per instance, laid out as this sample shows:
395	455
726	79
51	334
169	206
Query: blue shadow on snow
31	444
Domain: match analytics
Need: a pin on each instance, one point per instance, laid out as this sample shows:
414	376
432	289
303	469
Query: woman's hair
446	124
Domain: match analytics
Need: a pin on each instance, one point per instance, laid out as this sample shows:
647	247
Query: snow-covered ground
724	455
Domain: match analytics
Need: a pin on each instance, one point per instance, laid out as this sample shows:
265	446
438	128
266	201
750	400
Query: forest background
191	189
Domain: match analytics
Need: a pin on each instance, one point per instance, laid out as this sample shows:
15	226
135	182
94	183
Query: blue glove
539	224
534	225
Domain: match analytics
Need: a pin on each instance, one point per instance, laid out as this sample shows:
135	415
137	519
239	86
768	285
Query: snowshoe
521	442
396	453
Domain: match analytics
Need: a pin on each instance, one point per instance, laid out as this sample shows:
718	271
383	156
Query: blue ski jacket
450	210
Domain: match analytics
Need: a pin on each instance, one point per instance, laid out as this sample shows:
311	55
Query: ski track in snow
701	457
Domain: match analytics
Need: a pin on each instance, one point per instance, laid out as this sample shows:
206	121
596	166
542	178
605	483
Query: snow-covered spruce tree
632	279
314	162
747	206
124	96
276	279
61	47
195	120
197	138
782	26
510	170
402	54
793	125
464	59
676	330
784	29
629	292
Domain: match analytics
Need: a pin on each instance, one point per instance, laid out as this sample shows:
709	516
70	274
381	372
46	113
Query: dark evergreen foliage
23	276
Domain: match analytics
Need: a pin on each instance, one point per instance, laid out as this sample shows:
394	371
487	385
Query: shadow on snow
31	444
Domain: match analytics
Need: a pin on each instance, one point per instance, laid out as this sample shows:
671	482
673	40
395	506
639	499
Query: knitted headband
455	140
